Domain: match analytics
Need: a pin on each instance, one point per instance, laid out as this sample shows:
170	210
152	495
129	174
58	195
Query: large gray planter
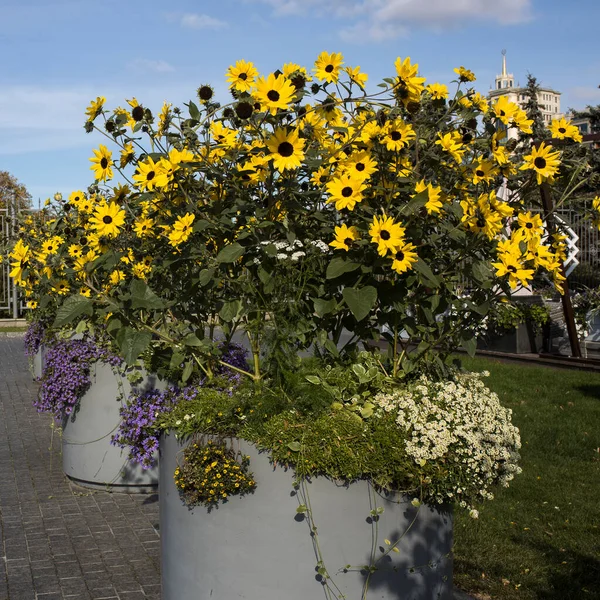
520	340
89	459
37	363
258	548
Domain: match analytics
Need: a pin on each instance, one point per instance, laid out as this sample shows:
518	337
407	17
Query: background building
548	98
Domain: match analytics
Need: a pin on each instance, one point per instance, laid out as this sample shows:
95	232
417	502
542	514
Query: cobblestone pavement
59	541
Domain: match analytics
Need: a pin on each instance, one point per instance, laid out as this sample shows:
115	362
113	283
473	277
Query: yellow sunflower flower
181	230
241	76
345	191
562	129
398	134
408	86
438	91
344	237
107	220
464	75
274	93
102	163
145	175
387	234
404	258
95	108
327	66
286	148
543	161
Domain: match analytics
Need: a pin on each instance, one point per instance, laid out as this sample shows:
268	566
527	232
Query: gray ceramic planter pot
37	364
89	459
258	548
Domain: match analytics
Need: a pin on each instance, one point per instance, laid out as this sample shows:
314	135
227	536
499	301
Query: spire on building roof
504	73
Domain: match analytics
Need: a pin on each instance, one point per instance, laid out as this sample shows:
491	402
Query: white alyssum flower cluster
460	428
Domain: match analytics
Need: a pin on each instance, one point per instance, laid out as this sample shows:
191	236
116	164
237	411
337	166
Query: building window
499	85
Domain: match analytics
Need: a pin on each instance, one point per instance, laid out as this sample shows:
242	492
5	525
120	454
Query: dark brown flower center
104	162
512	269
396	135
329	68
150	175
540	163
360	167
107	219
243	76
562	130
205	93
479	173
138	113
400	255
285	149
348	241
529	225
347	191
244	110
273	95
385	235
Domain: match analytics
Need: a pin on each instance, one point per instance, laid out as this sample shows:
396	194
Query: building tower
548	99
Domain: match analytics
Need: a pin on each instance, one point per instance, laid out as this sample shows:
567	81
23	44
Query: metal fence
9	293
587	273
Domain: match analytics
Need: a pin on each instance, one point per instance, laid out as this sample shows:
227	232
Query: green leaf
176	360
132	343
360	301
313	379
416	203
191	339
230	310
324	307
294	446
470	345
301	509
206	276
230	253
426	273
201	225
264	275
194	112
143	297
330	346
187	371
338	266
73	307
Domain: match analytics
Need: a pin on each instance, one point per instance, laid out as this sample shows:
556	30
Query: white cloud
196	21
378	20
155	66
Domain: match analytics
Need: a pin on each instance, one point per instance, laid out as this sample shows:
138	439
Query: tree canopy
11	190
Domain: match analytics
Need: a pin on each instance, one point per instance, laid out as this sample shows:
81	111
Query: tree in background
11	190
532	108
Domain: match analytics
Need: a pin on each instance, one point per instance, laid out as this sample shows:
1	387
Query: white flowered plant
458	427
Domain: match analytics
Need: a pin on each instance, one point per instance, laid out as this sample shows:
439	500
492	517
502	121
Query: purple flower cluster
235	355
33	338
66	375
137	430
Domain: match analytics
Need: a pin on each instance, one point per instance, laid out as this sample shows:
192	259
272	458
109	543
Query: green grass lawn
12	329
540	538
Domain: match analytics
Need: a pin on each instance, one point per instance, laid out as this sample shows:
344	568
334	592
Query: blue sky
57	55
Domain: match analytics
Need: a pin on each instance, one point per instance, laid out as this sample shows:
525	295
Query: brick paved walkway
59	541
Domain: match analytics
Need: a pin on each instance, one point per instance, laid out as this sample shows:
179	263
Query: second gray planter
89	459
258	547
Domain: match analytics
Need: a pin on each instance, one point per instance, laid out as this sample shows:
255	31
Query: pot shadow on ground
422	569
577	580
591	391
